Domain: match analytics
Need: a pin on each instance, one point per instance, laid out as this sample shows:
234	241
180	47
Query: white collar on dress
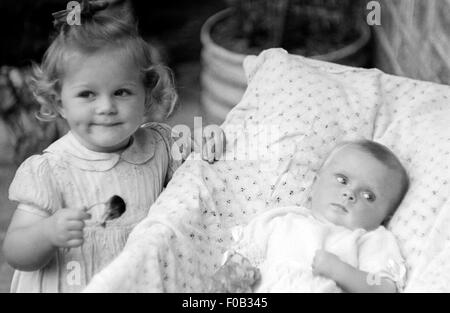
141	150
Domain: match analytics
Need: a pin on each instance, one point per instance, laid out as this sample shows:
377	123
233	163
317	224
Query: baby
337	245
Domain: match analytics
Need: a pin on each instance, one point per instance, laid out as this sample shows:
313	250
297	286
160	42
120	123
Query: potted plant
329	30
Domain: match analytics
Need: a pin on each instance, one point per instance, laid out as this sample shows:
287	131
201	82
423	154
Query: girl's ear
148	103
59	107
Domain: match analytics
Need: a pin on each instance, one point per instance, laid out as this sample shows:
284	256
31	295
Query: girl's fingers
75	225
208	149
212	152
224	144
204	152
74	243
184	154
219	147
79	214
76	234
213	146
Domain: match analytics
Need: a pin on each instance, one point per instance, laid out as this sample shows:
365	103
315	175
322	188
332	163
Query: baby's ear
386	220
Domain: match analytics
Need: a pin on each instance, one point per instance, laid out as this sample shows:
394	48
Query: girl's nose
106	105
348	195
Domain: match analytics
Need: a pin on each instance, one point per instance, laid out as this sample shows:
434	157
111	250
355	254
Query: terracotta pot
223	80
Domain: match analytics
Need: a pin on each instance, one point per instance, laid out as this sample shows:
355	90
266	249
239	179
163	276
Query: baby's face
103	99
354	189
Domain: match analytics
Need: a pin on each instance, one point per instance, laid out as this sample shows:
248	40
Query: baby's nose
349	195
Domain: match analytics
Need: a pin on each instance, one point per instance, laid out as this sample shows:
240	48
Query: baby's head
102	78
359	185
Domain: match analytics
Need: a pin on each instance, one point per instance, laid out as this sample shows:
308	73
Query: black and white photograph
225	150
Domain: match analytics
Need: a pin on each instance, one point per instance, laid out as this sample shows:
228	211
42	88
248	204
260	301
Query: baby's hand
324	262
65	229
213	148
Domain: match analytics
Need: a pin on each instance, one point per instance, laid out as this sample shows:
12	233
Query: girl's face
103	99
355	190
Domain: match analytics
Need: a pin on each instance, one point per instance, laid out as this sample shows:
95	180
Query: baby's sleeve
173	153
34	188
380	256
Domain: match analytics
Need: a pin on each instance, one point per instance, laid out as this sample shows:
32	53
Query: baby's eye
341	179
85	94
369	196
122	92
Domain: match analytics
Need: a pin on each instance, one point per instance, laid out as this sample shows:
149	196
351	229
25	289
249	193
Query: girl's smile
103	99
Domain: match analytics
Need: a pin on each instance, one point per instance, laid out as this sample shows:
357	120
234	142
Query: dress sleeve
380	256
173	153
34	188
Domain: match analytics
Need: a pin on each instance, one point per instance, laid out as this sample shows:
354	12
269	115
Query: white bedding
299	109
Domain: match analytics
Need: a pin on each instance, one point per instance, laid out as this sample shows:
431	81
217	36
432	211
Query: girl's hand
324	263
65	227
213	148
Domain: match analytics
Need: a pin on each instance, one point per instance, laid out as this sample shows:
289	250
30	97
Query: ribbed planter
223	80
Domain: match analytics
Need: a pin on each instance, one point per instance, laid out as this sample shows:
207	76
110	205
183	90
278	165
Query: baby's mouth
340	207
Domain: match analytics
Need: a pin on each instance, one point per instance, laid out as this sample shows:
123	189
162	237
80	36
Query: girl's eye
85	94
122	92
369	196
341	179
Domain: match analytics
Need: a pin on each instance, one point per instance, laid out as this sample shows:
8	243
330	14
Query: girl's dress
282	243
69	175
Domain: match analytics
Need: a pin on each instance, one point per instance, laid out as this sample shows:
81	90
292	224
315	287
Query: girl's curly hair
96	32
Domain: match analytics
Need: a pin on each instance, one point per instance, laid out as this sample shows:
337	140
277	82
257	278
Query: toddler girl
101	78
337	245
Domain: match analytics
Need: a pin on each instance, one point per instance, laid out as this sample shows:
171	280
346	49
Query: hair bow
86	9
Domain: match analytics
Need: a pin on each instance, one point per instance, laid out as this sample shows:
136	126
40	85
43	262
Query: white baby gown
282	242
